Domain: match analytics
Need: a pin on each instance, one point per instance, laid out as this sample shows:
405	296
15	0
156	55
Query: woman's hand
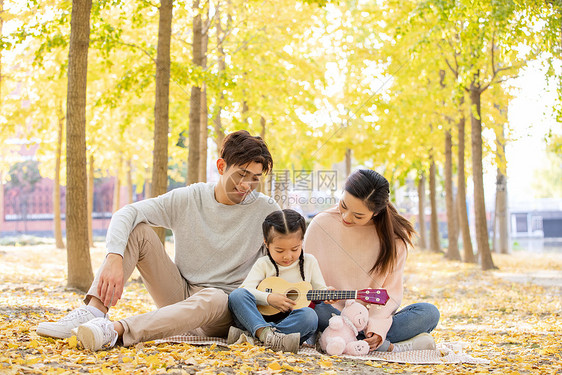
373	340
280	302
331	301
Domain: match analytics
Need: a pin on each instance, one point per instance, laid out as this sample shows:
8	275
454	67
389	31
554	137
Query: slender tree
59	243
421	212
195	100
130	185
435	242
480	222
161	106
452	248
117	185
501	214
204	131
348	159
91	199
468	251
80	273
221	65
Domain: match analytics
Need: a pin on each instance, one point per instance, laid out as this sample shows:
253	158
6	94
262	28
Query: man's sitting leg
160	275
204	313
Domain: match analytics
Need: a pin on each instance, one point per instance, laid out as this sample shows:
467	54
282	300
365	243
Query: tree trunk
204	135
493	239
347	162
435	243
195	102
130	181
116	192
80	273
147	188
263	186
502	212
59	243
453	247
263	128
161	106
477	172
91	200
461	191
204	132
219	131
421	212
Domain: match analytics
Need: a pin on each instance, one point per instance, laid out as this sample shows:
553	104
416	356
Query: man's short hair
240	148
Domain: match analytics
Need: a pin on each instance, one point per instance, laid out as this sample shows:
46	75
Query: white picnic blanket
444	353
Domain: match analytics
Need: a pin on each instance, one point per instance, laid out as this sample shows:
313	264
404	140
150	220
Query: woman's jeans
245	314
406	323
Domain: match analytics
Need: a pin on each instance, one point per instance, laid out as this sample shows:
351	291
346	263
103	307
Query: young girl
283	233
362	243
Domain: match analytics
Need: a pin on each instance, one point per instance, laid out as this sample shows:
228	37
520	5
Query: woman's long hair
374	190
282	223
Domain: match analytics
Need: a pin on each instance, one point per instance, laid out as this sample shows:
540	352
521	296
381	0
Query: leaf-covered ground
504	316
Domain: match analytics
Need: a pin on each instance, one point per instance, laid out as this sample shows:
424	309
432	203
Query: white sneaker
62	328
423	341
97	334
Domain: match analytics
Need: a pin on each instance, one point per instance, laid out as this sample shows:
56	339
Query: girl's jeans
406	323
245	314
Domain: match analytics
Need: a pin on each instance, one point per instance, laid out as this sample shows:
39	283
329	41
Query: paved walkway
542	278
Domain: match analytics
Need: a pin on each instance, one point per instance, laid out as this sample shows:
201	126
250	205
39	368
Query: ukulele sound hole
293	294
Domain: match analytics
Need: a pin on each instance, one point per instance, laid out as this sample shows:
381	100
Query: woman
362	243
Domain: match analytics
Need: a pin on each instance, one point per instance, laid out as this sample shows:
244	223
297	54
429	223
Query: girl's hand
373	340
280	302
330	301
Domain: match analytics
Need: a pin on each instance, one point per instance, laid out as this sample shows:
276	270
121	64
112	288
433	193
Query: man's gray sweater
215	244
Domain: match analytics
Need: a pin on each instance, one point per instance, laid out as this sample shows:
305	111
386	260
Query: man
217	237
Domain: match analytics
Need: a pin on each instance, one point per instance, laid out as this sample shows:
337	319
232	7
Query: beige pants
181	308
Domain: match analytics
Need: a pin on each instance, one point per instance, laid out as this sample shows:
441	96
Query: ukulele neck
325	295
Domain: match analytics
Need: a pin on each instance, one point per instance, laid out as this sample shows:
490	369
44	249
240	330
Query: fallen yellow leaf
275	366
72	342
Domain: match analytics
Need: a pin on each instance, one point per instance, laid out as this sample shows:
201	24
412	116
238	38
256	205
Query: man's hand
110	287
373	340
280	302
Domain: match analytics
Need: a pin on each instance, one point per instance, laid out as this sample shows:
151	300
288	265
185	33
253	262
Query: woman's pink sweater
346	255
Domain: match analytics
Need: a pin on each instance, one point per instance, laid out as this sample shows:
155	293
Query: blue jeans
406	323
245	314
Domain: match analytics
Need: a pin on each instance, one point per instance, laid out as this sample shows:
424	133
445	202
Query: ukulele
302	293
